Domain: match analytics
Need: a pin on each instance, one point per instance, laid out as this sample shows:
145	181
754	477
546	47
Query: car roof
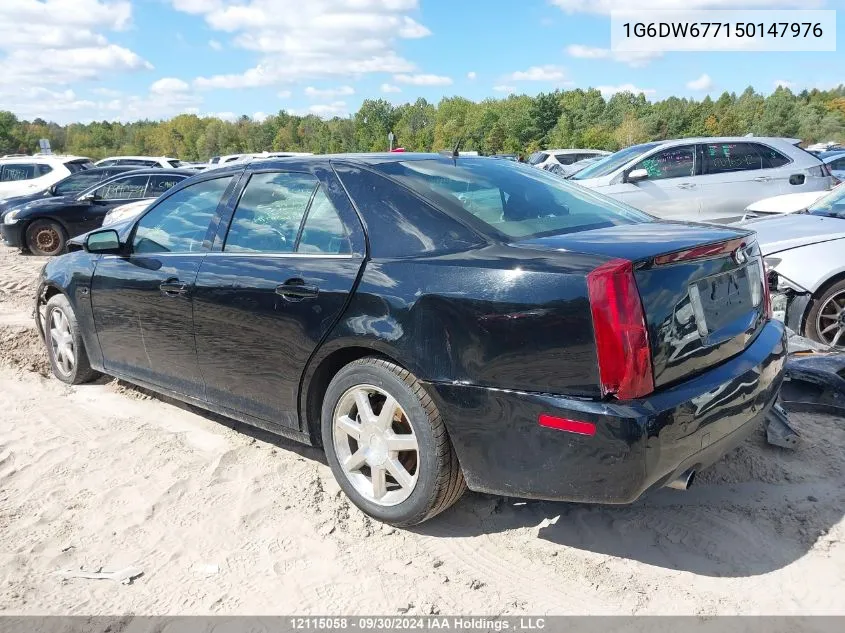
575	150
51	158
138	157
154	171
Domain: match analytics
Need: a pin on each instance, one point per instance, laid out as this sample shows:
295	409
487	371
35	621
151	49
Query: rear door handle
296	290
173	287
686	185
762	179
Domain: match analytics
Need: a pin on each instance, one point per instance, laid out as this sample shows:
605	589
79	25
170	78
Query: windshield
514	201
832	205
611	163
78	182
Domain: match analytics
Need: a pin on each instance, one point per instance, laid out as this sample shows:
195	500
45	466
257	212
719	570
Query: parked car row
436	323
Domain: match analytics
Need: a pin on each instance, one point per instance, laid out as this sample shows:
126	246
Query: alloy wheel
830	322
375	445
61	341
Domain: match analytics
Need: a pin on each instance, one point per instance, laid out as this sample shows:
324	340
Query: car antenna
454	152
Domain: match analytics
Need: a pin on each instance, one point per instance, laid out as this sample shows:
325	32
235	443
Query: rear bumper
638	444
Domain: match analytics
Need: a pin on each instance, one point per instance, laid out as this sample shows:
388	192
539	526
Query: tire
431	479
45	237
65	348
826	312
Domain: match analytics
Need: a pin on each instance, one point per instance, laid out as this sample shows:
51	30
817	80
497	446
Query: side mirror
105	241
91	197
636	175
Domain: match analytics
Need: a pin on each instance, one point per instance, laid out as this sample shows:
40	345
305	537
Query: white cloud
317	39
503	88
634	59
223	116
329	110
548	72
169	85
310	91
260	117
47	45
471	75
284	94
423	80
609	91
606	6
386	88
782	83
215	45
703	83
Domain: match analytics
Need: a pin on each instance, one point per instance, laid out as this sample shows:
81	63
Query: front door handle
686	185
173	287
761	179
296	290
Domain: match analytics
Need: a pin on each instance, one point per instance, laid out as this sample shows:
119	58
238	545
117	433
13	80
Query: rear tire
65	348
46	238
826	319
399	465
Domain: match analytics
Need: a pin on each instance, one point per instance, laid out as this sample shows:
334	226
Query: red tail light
624	354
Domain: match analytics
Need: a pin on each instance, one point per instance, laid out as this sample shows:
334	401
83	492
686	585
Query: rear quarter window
398	222
771	157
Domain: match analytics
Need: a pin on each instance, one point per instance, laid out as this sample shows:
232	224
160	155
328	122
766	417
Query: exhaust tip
683	481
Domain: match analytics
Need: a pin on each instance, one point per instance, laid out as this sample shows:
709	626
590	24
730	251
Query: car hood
16	201
795	230
47	204
788	203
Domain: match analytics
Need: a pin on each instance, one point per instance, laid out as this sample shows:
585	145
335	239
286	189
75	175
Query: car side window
566	159
721	158
77	183
837	164
323	232
130	188
270	212
674	162
18	171
160	183
771	157
180	222
43	170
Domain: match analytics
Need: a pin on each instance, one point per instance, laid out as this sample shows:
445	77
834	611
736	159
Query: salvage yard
223	519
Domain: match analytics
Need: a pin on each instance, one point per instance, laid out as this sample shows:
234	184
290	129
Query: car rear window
512	201
74	166
537	157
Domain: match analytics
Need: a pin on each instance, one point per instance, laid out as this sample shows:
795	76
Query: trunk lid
702	288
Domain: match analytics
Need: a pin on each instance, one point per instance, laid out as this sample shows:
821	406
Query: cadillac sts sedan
435	323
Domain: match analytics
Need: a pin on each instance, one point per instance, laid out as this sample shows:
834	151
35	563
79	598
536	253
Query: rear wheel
826	319
64	343
45	237
386	444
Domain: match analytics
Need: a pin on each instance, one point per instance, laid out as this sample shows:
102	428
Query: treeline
516	124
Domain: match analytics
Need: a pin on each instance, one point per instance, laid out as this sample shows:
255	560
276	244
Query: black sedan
43	226
435	323
75	183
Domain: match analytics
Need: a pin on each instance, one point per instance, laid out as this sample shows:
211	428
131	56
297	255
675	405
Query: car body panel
787	203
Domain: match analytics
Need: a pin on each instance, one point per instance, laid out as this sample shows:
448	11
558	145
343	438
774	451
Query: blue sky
74	60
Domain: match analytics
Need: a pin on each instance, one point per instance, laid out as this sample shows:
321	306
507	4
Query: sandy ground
222	519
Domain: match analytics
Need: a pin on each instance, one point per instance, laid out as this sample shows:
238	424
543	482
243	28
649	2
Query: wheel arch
319	374
27	222
818	294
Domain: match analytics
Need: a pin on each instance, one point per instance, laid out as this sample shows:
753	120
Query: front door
671	189
142	301
267	295
88	215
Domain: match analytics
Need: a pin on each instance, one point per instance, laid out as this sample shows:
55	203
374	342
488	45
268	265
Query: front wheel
826	319
65	347
45	237
386	444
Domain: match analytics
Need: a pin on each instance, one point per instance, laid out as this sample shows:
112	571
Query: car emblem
739	256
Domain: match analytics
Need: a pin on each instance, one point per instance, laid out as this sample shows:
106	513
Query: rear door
142	302
734	175
272	288
670	191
